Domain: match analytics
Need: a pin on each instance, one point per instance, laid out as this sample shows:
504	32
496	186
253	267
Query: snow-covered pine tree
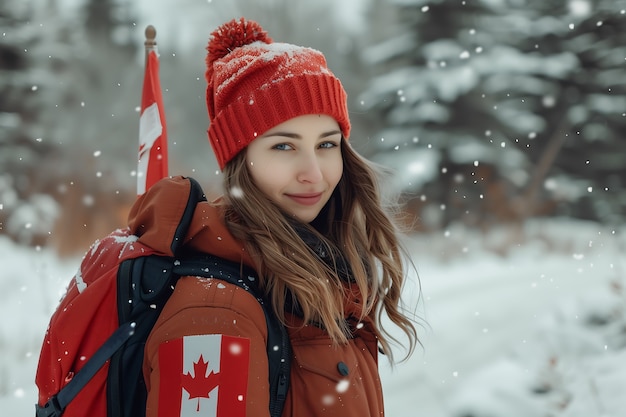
497	111
28	84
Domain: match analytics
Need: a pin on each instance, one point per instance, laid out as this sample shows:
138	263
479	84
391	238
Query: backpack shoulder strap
57	403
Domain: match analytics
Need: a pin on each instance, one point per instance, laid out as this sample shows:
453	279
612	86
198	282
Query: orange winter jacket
326	380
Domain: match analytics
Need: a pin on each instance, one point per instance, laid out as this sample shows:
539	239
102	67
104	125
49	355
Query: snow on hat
255	84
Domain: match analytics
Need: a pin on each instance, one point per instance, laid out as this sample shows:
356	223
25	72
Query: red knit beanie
255	84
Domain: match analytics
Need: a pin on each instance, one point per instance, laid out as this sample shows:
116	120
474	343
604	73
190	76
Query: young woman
302	209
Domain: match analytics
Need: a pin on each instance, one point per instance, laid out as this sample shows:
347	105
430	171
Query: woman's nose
309	169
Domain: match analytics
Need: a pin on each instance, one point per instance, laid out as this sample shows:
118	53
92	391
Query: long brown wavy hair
354	224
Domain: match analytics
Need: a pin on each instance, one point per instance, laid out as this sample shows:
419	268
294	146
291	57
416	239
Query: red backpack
92	354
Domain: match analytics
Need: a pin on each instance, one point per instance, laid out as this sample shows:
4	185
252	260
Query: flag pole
152	161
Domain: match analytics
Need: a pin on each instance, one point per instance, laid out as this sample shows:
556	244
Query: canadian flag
152	165
204	375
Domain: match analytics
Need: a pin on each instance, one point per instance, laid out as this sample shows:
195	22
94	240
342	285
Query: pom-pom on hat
255	84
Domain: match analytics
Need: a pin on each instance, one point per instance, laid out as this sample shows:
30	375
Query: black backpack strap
144	285
56	404
196	195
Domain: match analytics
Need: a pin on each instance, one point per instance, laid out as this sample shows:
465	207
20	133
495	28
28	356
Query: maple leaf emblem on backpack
200	385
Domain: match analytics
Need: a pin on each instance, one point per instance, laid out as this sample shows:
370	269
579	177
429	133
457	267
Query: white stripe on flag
150	129
208	348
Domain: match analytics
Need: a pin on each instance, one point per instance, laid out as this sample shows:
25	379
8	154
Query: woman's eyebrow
297	136
283	134
330	133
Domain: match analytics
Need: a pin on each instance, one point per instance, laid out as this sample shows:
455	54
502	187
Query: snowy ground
538	332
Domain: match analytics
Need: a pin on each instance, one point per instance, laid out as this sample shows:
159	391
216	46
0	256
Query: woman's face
298	164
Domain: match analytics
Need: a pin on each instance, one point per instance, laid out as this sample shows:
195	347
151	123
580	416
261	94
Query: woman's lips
306	199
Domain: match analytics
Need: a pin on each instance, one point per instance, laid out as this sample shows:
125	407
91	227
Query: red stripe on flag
170	390
234	364
152	162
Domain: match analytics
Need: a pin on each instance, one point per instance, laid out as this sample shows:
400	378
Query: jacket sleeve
197	308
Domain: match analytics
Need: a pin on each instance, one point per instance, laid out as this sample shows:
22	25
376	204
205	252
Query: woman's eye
282	147
328	145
